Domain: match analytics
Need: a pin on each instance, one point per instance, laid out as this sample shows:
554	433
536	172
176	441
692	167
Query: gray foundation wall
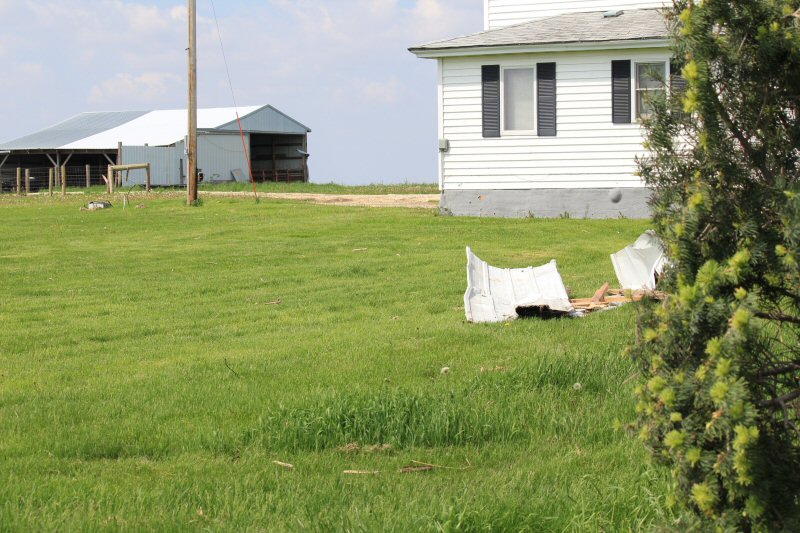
548	203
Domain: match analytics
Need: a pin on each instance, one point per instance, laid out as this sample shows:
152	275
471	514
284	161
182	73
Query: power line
224	56
233	97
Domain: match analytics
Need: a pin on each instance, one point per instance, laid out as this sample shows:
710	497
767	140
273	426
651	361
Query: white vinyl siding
589	151
499	13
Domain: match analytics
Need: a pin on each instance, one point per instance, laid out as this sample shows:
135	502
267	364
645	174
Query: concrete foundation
548	203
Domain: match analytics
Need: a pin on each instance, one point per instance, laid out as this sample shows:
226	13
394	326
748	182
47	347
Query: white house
539	114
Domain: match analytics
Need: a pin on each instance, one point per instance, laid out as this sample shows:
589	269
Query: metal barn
86	144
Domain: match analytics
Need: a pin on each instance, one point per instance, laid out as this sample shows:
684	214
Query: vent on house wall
613	13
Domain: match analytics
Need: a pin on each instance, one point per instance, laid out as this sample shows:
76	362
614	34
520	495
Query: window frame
518	133
638	118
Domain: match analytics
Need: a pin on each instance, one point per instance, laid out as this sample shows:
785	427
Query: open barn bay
155	363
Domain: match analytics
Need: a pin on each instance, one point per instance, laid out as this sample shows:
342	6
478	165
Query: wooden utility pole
191	145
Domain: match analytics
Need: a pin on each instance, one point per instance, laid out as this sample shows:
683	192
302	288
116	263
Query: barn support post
88	176
274	166
19	181
54	168
119	162
58	169
50	179
305	158
64	180
27	181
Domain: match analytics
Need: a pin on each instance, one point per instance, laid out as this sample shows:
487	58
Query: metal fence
38	179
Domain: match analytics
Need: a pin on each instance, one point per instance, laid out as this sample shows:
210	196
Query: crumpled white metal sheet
495	294
638	265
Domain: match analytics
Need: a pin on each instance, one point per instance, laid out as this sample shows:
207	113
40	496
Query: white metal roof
159	128
103	130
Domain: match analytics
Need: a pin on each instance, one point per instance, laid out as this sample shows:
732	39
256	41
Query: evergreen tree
721	355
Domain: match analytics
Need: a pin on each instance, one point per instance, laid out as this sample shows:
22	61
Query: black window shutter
621	92
677	86
546	98
677	83
490	75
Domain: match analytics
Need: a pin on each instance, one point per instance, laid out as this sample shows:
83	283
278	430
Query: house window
650	79
518	100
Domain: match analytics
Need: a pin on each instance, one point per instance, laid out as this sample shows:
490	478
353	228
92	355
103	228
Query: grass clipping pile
501	294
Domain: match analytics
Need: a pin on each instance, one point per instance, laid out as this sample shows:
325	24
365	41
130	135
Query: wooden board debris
612	298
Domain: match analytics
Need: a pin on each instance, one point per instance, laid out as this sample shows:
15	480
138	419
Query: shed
87	143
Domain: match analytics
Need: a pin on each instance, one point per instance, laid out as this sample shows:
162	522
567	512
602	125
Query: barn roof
571	28
102	131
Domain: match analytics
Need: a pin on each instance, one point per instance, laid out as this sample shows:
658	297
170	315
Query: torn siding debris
501	294
639	265
498	294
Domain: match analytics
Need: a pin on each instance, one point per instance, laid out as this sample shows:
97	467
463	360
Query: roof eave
581	46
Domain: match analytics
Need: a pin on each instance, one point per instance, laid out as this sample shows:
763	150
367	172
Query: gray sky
339	66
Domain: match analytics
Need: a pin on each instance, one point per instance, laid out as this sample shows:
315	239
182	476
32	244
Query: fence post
64	180
119	162
110	177
19	181
27	181
50	182
88	176
147	178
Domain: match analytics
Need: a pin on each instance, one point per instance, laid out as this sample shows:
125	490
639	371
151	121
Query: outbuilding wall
218	156
500	13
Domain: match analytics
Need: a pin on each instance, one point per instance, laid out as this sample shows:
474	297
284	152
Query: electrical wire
233	97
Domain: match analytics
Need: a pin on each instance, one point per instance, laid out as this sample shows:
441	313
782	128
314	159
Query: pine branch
779	370
748	148
781	401
778	317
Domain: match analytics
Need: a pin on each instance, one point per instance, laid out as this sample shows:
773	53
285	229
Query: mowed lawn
155	362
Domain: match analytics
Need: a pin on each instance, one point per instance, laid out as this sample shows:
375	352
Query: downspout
440	120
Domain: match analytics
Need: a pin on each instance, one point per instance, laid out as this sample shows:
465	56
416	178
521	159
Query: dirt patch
414	201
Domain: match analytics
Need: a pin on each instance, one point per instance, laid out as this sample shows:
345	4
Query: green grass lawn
149	377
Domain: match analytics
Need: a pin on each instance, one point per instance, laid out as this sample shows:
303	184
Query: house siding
589	151
500	13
